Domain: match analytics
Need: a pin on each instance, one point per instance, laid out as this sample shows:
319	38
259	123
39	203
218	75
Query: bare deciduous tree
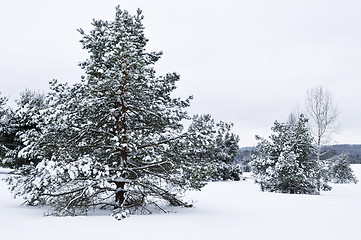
322	112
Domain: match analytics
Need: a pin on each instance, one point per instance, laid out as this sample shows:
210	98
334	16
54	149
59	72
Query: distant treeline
354	151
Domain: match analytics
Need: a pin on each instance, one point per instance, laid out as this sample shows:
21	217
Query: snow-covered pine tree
3	127
340	169
225	152
20	125
3	101
284	163
115	140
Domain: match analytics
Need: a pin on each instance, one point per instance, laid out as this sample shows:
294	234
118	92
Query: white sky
245	61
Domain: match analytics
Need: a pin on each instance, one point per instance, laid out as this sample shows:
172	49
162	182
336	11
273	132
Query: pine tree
22	124
4	122
340	169
284	163
3	101
225	152
116	139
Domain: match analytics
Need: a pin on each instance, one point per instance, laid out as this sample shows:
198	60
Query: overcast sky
245	61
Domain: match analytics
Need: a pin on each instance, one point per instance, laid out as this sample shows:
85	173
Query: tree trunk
119	195
319	162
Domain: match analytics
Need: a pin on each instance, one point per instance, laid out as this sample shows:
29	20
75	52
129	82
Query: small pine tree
225	152
4	122
284	163
22	125
3	101
340	169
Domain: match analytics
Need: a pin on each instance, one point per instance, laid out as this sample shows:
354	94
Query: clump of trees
115	139
290	161
284	163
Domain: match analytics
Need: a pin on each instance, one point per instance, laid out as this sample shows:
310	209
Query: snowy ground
224	210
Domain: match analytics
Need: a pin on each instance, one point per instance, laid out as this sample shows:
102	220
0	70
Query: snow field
222	210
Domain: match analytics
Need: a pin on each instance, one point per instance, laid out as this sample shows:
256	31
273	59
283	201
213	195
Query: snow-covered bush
284	163
226	171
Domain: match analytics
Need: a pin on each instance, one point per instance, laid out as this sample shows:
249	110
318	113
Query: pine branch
149	166
164	141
